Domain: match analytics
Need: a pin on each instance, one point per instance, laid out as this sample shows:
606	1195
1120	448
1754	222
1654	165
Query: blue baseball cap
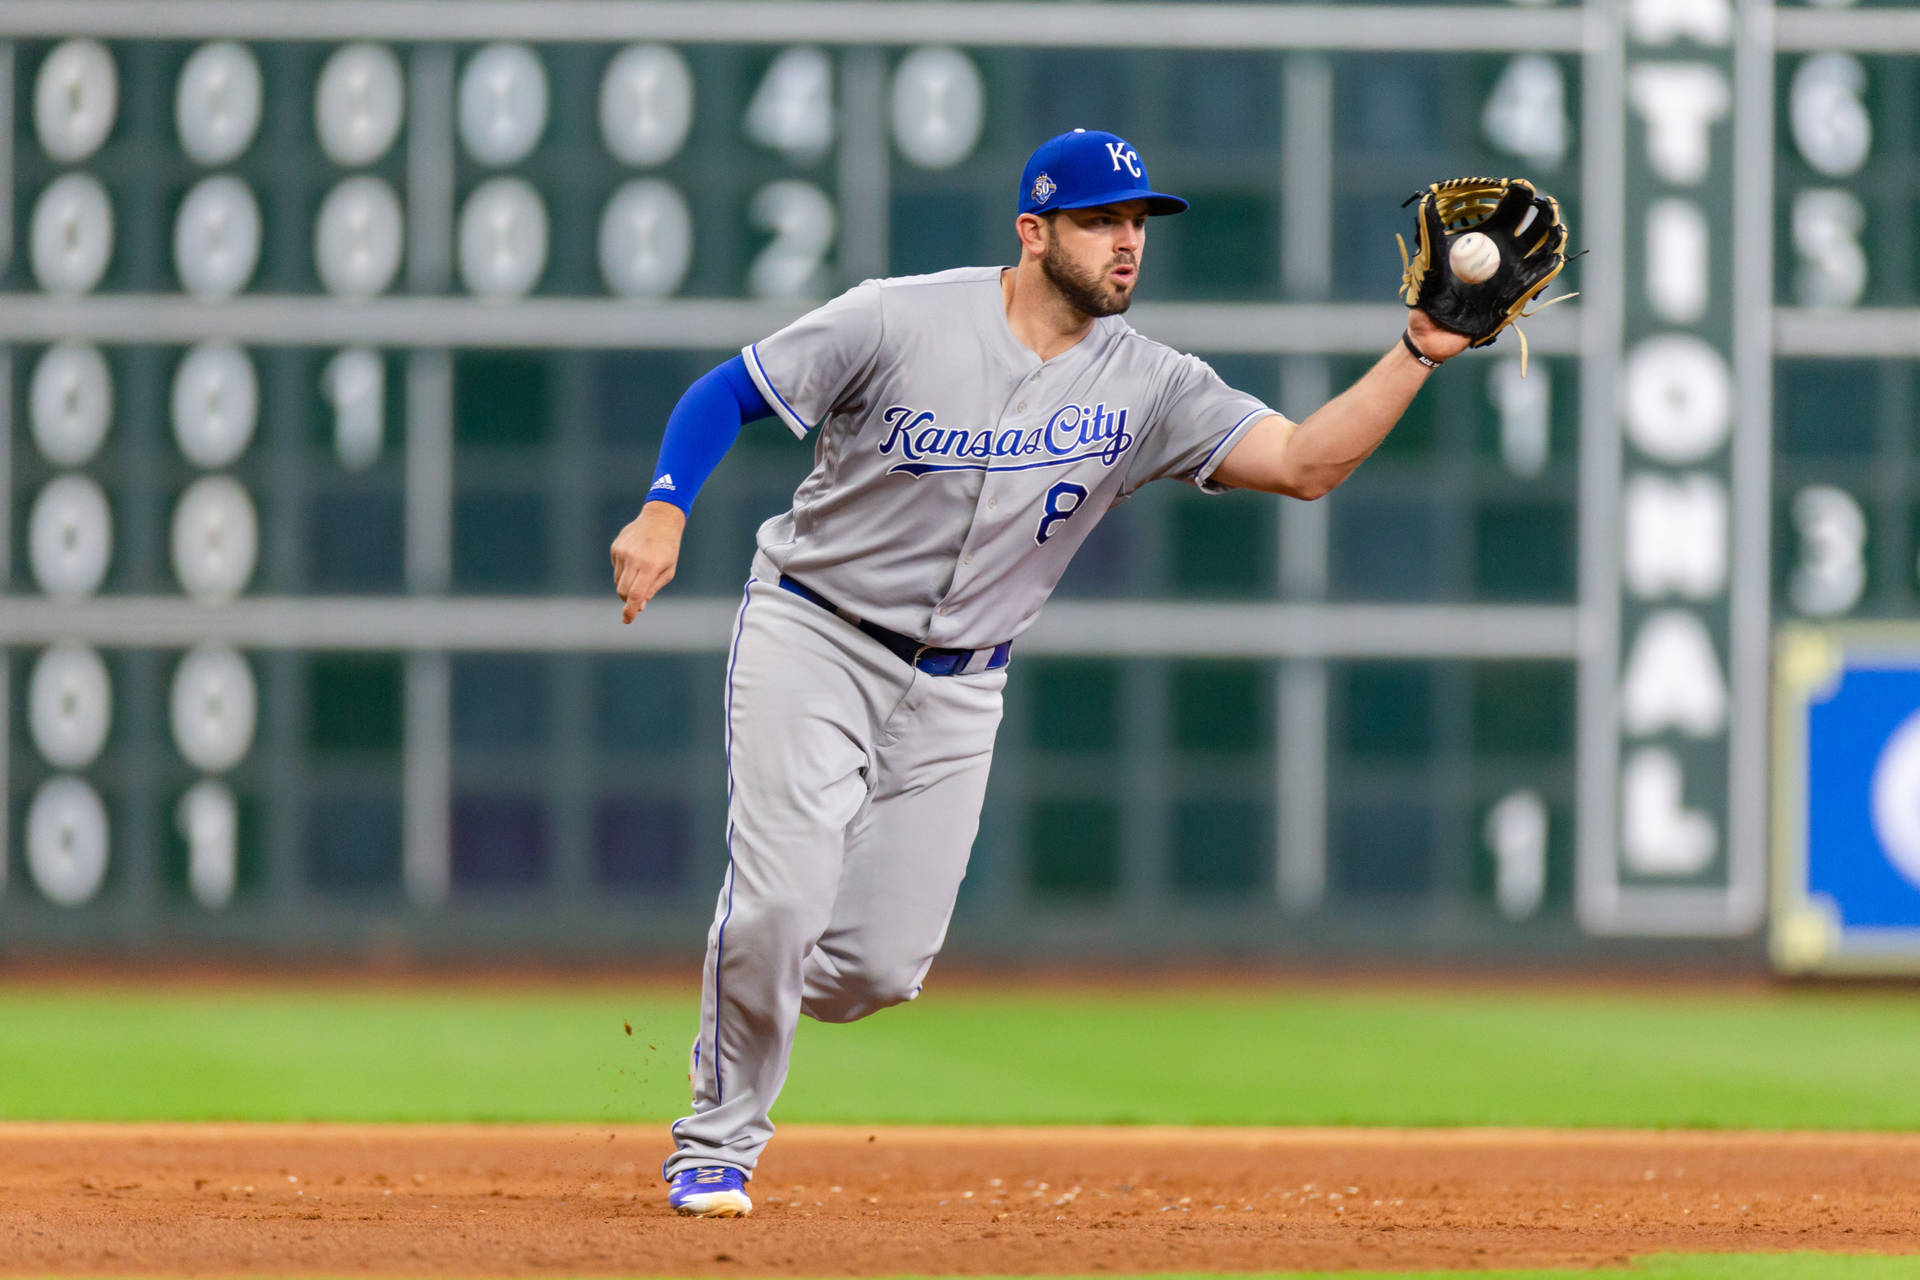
1086	168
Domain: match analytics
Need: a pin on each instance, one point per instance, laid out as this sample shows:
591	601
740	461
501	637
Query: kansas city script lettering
1074	433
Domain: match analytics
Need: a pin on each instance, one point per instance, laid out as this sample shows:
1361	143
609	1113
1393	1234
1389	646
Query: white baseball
1474	257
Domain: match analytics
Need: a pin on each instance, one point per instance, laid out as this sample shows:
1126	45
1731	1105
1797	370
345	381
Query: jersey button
992	502
1021	407
968	560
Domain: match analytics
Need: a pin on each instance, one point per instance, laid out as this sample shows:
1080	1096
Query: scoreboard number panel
503	103
70	537
70	705
646	104
70	403
76	97
323	377
1844	541
357	244
217	107
66	847
360	104
72	235
938	100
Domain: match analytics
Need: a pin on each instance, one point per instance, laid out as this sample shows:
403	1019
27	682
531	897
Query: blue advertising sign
1847	790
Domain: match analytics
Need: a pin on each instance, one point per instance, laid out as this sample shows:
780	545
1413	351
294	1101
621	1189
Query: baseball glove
1524	226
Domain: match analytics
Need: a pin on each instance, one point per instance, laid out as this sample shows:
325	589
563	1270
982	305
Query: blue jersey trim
758	372
1205	469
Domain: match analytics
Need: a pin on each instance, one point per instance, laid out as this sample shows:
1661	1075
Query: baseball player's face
1093	255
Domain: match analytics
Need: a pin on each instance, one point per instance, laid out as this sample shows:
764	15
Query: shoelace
712	1173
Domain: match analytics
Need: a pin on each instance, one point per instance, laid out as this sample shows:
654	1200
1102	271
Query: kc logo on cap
1088	168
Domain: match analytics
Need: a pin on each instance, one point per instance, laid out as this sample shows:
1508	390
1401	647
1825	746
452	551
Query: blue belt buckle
935	661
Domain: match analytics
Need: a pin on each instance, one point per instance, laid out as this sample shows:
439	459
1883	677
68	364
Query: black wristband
1406	336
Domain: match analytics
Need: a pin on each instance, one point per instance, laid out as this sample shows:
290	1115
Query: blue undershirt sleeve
700	430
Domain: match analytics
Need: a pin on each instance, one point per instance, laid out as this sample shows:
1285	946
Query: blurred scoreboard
338	335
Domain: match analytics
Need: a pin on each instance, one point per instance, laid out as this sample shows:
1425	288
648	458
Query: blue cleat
710	1191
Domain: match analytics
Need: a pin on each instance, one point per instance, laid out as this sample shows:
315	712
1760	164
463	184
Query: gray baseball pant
854	792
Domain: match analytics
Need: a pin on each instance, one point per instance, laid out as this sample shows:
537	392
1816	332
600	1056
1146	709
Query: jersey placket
993	506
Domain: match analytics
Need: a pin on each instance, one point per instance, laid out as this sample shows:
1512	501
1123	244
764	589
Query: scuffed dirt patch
477	1200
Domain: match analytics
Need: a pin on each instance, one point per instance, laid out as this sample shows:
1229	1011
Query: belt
922	657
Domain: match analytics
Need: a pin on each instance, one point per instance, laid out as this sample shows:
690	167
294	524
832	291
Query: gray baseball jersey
955	473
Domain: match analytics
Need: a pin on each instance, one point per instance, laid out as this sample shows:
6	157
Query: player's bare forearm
1310	458
645	555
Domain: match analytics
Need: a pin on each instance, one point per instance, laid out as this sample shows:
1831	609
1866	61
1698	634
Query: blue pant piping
720	941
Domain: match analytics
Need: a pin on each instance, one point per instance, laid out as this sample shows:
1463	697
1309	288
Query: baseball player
969	427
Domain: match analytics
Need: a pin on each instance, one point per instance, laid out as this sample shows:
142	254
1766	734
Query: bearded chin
1084	293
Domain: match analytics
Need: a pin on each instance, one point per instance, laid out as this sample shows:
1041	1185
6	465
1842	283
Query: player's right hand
645	553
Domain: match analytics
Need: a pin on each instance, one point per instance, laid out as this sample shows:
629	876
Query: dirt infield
442	1201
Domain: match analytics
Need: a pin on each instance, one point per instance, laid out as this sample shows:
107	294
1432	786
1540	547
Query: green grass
1790	1059
1665	1266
